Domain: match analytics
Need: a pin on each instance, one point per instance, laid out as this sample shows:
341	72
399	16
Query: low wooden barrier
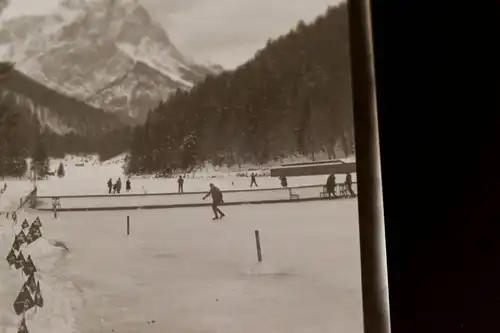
313	169
191	199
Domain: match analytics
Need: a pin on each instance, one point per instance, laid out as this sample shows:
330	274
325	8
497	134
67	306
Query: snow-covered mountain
109	53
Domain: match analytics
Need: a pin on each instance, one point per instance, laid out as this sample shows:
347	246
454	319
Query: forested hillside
293	97
30	113
21	133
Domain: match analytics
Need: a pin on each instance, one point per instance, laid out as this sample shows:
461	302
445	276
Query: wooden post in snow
128	225
257	242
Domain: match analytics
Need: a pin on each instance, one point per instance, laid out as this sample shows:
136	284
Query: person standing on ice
348	183
284	181
118	185
128	185
217	200
330	185
110	185
180	181
253	181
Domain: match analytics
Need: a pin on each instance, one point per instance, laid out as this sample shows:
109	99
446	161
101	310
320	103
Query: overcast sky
229	32
226	32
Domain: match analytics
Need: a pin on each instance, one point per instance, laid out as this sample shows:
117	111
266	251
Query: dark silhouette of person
330	185
180	181
118	185
110	185
253	181
284	181
128	185
348	183
217	200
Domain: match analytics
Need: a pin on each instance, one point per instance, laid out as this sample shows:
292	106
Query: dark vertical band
371	222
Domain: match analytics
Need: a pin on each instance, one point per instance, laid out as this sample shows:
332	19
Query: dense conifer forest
292	97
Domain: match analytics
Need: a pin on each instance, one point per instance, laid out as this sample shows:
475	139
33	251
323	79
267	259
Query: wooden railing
176	193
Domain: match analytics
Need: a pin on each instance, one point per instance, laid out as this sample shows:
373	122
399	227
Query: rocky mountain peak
86	47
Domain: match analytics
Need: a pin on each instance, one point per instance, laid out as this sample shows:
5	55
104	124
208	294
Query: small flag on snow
16	245
31	283
11	257
22	327
35	232
38	296
20	261
29	238
29	267
21	238
24	301
37	223
25	224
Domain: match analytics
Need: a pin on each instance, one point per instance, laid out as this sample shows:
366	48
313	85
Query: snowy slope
61	297
85	48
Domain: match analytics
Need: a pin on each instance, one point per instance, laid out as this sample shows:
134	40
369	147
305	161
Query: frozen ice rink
181	272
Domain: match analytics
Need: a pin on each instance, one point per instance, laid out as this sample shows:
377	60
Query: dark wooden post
257	242
128	225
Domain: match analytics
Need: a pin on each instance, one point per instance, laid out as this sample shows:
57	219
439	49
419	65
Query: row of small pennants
28	234
30	295
13	215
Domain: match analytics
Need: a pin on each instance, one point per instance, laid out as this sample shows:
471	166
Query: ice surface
191	274
179	271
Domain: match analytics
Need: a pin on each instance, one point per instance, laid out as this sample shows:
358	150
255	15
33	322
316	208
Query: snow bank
60	296
16	188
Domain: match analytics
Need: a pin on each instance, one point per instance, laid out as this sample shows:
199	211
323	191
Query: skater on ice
253	181
180	181
217	200
128	185
110	185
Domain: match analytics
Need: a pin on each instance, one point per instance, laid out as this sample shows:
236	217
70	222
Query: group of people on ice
331	183
117	186
217	197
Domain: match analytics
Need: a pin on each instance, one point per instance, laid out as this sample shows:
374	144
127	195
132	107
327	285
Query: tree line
22	136
292	97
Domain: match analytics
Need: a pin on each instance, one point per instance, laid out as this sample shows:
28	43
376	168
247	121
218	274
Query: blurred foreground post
376	315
